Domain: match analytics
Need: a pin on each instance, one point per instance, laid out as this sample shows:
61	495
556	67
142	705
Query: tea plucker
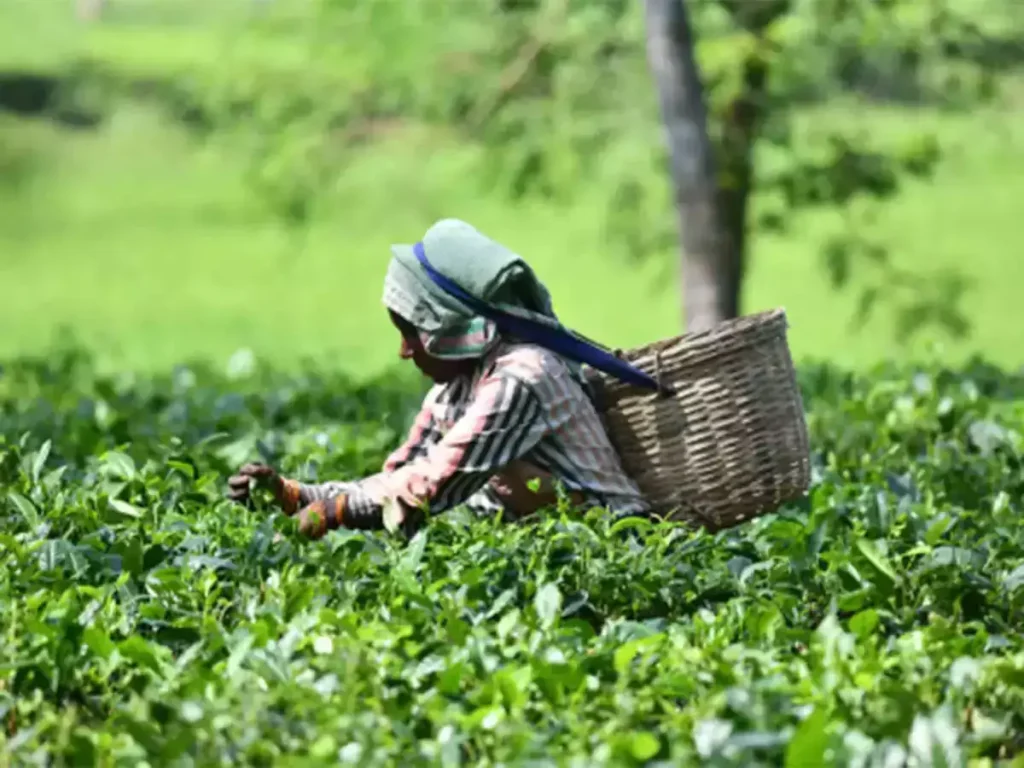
508	421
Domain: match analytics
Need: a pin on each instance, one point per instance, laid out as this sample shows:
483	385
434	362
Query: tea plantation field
146	621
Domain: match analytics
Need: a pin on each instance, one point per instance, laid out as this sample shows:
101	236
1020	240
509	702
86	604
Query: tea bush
145	620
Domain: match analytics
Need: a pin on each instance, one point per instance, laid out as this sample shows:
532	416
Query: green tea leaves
118	465
39	461
126	509
98	642
884	573
807	747
144	619
1015	579
548	604
24	507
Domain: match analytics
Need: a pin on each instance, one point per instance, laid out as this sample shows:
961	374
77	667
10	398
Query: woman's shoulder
530	363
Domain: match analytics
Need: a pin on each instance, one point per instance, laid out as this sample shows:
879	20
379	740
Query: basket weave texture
730	443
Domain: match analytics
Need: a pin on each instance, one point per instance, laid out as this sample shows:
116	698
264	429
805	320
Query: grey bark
710	255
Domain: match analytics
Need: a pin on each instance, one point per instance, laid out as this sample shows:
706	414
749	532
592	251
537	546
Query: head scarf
481	267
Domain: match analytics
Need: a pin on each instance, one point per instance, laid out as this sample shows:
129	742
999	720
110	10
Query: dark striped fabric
521	408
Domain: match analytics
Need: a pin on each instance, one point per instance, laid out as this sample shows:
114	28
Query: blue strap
556	340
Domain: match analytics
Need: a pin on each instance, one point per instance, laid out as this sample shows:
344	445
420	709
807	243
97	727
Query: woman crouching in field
506	422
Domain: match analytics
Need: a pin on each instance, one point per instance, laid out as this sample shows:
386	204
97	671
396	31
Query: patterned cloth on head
483	268
522	407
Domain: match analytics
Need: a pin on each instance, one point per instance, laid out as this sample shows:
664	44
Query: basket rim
726	338
713	337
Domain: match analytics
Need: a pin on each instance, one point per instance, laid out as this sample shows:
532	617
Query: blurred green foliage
558	94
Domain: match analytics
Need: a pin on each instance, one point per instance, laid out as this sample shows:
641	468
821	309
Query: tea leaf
125	508
25	508
881	565
548	604
119	465
39	461
808	745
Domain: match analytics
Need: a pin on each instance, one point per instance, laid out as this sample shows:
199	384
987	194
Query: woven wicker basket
730	443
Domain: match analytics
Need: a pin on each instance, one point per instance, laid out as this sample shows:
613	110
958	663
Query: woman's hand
258	475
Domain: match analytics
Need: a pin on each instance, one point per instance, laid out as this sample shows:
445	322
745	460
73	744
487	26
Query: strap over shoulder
552	337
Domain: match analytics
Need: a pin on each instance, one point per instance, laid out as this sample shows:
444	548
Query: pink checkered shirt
522	404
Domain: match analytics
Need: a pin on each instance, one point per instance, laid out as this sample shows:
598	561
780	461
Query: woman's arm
295	494
501	424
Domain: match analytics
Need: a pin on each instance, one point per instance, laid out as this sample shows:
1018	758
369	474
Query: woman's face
440	371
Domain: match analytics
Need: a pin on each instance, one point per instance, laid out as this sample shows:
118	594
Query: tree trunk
710	255
741	126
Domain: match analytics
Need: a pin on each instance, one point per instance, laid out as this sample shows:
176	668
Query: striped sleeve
422	433
358	508
501	424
